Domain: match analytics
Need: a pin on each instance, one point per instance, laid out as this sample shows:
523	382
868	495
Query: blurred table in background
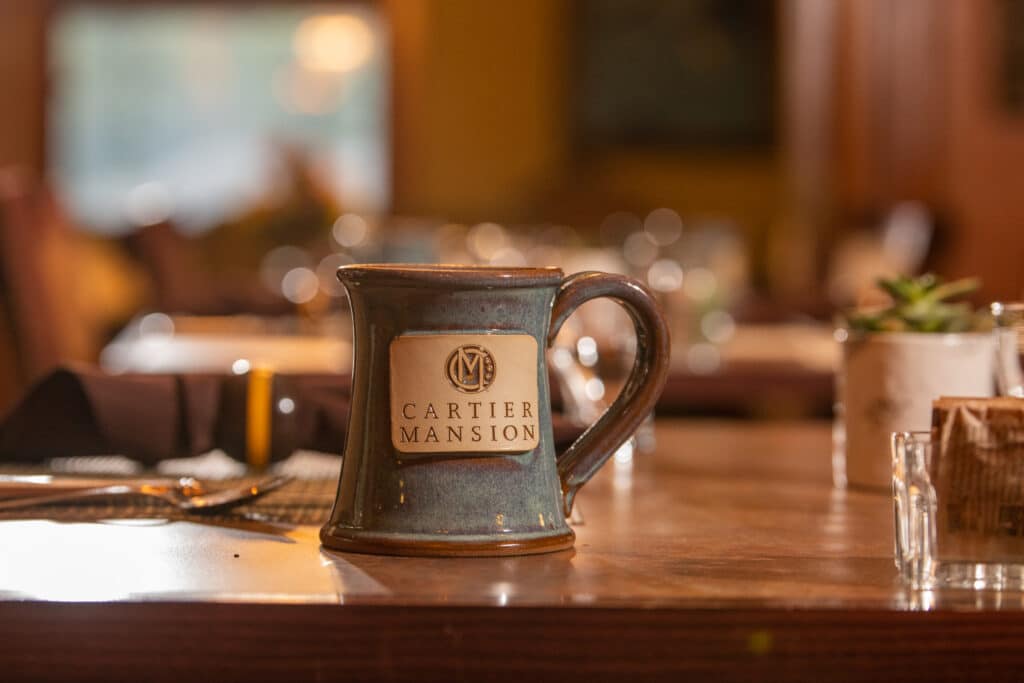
182	344
750	390
772	371
783	370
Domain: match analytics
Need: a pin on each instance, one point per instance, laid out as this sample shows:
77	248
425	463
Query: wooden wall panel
918	118
985	172
22	83
890	103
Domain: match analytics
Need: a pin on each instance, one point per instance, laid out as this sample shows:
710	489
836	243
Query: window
191	110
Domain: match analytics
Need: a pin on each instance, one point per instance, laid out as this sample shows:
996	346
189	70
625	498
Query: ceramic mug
449	447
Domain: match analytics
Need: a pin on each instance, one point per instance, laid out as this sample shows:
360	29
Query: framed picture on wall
676	73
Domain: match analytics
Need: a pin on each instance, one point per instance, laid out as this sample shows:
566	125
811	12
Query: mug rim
455	274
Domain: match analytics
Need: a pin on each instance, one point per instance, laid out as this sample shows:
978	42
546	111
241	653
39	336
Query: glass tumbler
1009	322
949	541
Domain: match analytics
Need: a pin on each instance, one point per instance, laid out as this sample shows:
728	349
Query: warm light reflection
622	472
89	581
594	389
586	349
333	42
718	327
156	324
350	230
152	559
327	273
278	262
663	226
639	250
502	591
700	284
665	275
509	257
561	358
300	285
486	240
624	455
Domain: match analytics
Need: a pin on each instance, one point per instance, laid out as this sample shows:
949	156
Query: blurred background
179	179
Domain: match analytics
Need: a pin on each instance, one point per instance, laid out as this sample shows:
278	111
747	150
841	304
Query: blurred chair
181	285
38	274
62	291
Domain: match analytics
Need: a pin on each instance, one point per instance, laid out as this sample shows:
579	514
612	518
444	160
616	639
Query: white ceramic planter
887	383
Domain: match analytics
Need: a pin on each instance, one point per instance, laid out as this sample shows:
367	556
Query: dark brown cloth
81	410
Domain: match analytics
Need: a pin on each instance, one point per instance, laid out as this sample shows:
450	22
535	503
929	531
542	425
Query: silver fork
186	494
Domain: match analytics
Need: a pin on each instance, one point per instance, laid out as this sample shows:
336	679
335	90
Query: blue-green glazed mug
449	448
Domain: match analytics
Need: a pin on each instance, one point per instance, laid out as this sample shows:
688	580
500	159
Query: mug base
418	545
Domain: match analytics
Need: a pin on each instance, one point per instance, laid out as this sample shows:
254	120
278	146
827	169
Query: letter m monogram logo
470	368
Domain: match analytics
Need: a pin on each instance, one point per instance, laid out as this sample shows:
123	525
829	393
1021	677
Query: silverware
21	485
186	494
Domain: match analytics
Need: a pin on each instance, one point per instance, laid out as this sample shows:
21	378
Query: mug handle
585	456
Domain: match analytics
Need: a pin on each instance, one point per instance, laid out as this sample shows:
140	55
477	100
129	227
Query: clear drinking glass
937	545
1009	321
960	523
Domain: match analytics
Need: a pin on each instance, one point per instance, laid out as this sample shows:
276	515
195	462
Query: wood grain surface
725	554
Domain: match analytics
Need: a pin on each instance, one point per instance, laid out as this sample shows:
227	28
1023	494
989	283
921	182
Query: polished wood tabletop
726	551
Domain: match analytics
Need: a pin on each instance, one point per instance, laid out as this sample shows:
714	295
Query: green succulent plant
920	304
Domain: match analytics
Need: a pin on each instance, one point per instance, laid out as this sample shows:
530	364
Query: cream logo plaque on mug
448	396
449	448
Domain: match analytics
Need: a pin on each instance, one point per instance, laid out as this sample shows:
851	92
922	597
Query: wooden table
726	553
780	370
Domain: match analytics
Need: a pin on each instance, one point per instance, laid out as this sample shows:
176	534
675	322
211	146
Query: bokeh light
327	273
594	389
350	230
486	239
509	257
700	284
300	285
639	250
156	324
717	327
333	42
278	262
665	275
586	350
663	226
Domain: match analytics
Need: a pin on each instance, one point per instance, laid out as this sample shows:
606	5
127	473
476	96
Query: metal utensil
186	494
22	485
